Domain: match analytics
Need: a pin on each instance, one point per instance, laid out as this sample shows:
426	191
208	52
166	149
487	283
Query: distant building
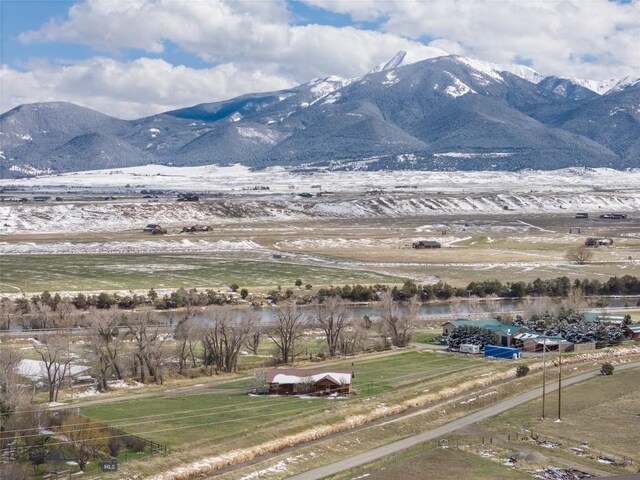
632	331
604	318
37	369
597	242
582	215
426	244
154	229
489	324
188	197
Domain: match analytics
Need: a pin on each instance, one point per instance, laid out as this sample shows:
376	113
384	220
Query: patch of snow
29	170
235	117
473	155
262	136
390	79
482	67
458	89
145	246
333	98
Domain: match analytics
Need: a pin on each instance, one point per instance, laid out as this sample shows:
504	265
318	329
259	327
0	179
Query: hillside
444	113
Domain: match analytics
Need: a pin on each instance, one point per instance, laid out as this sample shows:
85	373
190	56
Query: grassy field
429	461
602	412
328	251
36	273
224	417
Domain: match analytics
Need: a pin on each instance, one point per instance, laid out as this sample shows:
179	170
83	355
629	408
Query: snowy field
397	194
211	178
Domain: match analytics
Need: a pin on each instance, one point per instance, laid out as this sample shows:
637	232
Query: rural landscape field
319	239
260	273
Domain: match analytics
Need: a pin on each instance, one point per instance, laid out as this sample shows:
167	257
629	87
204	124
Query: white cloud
257	48
214	29
559	37
248	32
253	46
131	89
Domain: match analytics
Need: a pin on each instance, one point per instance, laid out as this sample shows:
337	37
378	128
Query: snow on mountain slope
601	87
403	58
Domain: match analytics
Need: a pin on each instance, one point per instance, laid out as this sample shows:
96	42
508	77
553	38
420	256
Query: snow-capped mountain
444	112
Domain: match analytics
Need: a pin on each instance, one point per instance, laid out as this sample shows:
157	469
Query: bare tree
6	310
10	388
41	315
580	255
54	354
353	337
253	340
398	324
288	324
185	329
333	317
106	342
62	316
577	301
225	336
145	332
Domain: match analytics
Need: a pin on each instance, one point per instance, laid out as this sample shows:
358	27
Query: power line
222	409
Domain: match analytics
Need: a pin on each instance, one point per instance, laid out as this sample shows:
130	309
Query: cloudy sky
131	58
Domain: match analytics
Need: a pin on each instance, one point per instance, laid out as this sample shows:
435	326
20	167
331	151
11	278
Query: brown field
508	247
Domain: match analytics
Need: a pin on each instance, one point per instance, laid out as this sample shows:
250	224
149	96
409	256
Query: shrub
522	371
116	444
606	369
135	443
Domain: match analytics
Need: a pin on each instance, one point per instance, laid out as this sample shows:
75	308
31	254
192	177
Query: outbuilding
426	244
632	331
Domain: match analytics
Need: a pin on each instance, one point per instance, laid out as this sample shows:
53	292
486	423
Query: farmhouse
426	244
296	381
596	242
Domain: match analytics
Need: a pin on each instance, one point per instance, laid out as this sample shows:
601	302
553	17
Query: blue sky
131	58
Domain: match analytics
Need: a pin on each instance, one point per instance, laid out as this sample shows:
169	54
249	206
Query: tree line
46	310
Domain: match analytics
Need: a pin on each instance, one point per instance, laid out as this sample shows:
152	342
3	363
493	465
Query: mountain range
444	113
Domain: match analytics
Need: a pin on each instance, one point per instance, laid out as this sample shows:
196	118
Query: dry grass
354	416
499	247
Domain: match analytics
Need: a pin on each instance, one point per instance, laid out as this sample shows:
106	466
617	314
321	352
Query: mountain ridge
443	113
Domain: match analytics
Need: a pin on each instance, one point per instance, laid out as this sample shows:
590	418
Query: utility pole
559	381
544	372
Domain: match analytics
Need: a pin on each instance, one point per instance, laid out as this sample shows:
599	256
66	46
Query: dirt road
408	442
